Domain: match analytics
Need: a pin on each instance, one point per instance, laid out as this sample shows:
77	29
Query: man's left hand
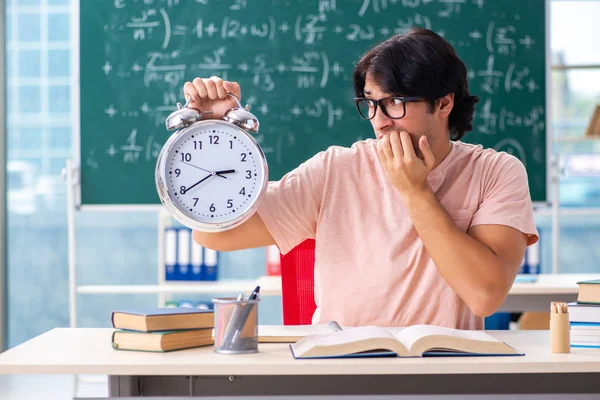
406	172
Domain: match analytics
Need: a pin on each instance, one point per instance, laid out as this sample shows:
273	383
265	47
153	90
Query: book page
408	336
349	335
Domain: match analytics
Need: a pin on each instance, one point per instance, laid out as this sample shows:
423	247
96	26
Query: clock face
214	172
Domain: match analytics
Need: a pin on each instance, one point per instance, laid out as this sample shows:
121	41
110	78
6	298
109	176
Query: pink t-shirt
371	267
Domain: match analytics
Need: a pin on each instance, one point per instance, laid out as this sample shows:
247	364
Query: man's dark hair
420	63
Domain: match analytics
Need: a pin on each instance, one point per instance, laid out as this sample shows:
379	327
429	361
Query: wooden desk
536	296
273	371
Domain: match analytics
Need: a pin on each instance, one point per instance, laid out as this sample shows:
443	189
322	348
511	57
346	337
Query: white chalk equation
132	150
504	39
320	108
514	78
441	8
155	24
295	66
491	122
168	69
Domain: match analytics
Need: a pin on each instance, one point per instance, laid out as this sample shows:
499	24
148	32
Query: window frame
3	196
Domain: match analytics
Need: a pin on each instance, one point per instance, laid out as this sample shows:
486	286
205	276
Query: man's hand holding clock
210	95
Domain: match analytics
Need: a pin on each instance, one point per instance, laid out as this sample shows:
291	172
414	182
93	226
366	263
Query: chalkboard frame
76	131
549	163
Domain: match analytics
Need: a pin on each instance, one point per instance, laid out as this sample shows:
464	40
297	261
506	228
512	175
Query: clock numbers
186	157
193	172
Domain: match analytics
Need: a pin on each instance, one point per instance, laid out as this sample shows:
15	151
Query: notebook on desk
287	333
413	341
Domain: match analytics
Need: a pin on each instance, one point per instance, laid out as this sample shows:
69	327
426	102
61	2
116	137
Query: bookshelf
270	285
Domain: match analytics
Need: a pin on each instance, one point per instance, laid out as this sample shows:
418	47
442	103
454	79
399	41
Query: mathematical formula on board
300	53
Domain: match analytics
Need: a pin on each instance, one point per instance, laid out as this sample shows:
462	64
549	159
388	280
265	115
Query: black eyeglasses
393	106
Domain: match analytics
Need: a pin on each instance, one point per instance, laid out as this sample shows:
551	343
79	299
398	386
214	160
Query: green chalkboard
294	61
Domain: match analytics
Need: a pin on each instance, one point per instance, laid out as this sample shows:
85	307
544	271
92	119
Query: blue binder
211	264
196	261
170	254
183	254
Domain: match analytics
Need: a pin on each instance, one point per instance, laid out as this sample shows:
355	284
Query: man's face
417	121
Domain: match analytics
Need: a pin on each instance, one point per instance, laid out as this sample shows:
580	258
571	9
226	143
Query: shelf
576	139
269	286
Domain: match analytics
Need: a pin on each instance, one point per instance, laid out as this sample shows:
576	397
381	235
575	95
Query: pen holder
236	325
560	334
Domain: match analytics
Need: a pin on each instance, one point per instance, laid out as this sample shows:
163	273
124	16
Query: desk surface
89	351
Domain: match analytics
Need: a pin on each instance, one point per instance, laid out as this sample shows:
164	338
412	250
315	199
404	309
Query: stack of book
162	329
584	315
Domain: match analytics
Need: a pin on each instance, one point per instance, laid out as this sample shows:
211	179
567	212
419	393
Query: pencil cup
560	334
236	325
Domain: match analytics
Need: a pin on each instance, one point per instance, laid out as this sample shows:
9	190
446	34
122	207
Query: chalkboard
294	61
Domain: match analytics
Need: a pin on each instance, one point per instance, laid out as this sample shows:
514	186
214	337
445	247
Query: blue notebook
413	341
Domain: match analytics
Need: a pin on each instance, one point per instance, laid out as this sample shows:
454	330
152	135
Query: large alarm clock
211	175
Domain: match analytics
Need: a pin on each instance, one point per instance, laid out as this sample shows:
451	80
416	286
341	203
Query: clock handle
236	99
187	102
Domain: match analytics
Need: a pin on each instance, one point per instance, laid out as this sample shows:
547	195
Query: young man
412	227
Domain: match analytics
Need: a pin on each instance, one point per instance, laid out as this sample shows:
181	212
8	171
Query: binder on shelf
183	254
170	254
211	263
196	261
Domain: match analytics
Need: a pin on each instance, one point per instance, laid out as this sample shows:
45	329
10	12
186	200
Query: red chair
297	284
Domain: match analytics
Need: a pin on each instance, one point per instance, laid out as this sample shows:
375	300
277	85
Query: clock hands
197	183
218	173
225	171
205	170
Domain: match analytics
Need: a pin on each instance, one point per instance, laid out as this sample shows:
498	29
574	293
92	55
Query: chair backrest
297	284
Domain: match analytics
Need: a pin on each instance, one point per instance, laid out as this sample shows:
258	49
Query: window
575	91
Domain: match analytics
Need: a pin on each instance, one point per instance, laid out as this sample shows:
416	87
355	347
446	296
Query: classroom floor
61	387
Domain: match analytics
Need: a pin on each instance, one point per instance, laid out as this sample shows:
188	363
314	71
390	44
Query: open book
414	341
